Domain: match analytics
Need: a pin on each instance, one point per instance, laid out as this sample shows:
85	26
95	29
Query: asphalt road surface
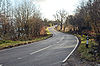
49	52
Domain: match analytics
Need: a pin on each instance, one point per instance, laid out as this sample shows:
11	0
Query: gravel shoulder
74	60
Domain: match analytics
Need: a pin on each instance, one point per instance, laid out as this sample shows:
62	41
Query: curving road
49	52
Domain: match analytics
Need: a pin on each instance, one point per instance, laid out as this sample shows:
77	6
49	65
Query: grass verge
9	43
87	53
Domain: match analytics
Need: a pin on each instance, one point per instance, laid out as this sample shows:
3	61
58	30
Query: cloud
41	0
49	7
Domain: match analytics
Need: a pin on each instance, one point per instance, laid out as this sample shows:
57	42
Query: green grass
9	43
85	52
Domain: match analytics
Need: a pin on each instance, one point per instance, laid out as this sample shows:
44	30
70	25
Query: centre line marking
57	42
19	58
40	50
60	40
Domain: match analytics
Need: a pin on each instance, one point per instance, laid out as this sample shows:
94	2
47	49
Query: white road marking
60	39
19	58
35	52
71	51
57	42
40	50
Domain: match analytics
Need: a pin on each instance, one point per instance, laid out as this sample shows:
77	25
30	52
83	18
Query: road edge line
71	51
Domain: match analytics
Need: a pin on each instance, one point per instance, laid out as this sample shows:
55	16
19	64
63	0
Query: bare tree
28	21
4	16
60	16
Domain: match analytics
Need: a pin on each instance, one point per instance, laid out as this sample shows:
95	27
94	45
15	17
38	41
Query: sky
49	7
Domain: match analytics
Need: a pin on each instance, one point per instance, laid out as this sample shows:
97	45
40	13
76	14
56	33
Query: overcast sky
49	7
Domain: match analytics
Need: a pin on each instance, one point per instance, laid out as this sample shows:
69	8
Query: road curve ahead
49	52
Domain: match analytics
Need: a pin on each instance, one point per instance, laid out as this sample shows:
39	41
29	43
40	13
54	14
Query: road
49	52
